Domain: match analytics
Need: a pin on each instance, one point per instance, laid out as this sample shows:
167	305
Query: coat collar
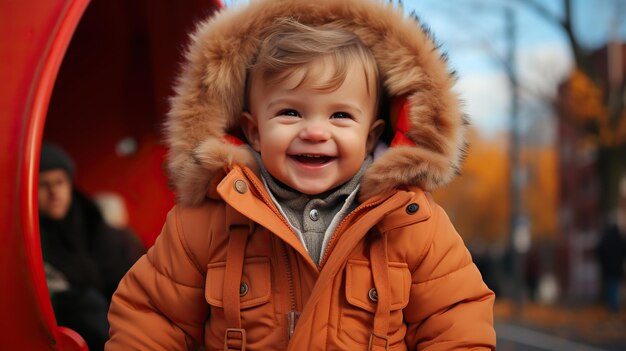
243	191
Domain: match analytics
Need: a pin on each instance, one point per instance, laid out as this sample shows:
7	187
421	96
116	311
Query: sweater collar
285	194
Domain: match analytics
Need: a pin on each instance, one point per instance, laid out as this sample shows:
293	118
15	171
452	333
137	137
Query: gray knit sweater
314	218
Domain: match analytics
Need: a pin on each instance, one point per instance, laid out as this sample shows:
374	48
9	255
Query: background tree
593	96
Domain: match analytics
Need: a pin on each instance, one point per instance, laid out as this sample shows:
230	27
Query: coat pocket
357	315
255	283
258	317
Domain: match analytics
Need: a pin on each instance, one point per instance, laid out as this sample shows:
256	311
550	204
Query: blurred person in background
84	257
612	252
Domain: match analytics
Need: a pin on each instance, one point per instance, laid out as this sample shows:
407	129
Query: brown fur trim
209	93
401	167
209	158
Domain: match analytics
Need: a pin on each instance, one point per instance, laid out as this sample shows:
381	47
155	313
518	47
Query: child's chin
317	191
310	191
307	189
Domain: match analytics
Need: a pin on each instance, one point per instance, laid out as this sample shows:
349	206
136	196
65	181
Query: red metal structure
92	74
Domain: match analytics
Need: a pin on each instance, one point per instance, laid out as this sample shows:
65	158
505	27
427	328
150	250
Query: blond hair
292	46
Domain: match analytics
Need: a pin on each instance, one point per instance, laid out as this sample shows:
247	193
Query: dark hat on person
53	157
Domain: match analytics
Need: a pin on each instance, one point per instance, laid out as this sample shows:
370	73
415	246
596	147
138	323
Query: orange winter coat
174	299
227	272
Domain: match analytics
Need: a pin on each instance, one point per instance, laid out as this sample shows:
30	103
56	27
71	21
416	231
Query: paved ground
535	327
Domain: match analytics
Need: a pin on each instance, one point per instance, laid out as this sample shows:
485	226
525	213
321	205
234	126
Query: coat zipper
293	314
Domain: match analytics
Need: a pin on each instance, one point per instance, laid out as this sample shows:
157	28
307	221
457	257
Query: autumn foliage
478	201
541	190
584	102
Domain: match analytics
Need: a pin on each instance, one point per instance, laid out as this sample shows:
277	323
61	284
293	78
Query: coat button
373	295
241	186
412	208
243	289
314	215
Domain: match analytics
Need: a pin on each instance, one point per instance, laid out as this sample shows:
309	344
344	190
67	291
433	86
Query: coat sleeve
450	307
159	304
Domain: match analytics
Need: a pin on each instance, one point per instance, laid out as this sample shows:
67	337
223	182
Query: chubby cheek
274	140
271	148
352	147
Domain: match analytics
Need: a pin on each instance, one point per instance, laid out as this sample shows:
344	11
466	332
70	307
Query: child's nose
315	131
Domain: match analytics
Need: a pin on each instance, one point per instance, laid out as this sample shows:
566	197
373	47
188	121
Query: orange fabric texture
171	299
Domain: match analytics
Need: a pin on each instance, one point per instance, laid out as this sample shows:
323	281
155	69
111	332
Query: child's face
313	140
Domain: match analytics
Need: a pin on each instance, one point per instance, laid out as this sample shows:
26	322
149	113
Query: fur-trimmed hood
209	95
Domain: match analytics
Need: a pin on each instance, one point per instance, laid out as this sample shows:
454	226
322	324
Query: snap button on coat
314	215
243	289
412	208
241	186
373	294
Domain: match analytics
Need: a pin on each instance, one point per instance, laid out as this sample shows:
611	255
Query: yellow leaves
585	103
583	100
540	196
610	135
478	200
479	203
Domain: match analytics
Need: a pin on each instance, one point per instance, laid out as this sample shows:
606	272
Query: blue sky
466	28
543	57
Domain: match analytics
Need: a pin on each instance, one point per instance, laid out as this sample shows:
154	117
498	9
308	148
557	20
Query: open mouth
313	159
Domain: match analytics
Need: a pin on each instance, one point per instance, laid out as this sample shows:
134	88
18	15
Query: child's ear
376	130
251	130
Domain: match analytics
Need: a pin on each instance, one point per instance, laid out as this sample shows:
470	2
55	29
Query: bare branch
543	11
565	24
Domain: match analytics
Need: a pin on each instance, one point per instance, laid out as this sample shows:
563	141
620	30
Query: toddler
288	234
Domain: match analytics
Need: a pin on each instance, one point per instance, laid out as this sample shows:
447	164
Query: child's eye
341	115
289	112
